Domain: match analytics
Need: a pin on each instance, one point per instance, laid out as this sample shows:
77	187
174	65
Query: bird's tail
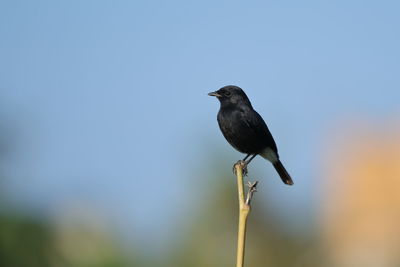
282	172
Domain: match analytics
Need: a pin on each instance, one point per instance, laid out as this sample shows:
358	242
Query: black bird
245	130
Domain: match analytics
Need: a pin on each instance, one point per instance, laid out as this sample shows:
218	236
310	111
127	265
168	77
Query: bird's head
231	95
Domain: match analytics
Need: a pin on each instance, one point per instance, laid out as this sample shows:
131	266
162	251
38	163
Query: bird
245	130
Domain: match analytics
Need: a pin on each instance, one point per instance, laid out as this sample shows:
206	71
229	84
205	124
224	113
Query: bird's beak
214	94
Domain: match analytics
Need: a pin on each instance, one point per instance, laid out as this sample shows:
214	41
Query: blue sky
109	98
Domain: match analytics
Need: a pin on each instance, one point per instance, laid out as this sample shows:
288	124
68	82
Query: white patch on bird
269	154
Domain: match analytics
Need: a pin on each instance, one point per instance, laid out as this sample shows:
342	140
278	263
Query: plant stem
244	209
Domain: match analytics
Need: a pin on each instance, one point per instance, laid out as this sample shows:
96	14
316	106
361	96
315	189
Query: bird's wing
258	129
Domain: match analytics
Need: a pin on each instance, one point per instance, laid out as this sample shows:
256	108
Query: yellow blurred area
361	210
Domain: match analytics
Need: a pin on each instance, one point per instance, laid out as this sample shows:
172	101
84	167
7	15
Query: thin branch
252	189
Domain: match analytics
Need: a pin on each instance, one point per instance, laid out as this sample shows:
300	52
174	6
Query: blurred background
110	152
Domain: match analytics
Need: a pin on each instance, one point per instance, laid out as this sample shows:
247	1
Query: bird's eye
227	93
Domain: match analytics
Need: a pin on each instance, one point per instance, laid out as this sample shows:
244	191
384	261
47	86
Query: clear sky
107	100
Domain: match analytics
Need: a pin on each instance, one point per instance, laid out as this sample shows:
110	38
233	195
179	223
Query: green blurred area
209	239
30	242
24	242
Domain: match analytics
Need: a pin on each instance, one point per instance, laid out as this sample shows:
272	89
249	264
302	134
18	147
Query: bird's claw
243	165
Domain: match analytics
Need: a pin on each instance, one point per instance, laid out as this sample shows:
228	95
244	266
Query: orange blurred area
361	202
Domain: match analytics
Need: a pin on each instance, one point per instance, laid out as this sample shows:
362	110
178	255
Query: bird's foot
243	165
